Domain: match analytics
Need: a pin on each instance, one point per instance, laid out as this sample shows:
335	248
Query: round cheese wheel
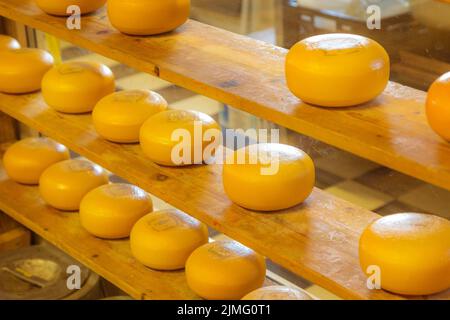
268	176
438	106
21	70
25	160
119	116
59	7
164	240
224	270
337	70
8	43
277	293
111	210
76	87
157	132
147	17
65	183
411	250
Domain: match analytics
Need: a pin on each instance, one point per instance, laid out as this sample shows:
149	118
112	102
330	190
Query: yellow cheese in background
411	250
164	240
156	134
277	293
224	270
65	183
337	70
25	160
59	7
22	70
76	87
110	211
143	17
279	177
119	116
8	43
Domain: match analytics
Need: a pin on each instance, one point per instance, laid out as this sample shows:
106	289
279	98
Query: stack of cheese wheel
119	116
147	17
60	7
268	176
110	211
337	70
225	270
65	183
164	240
22	69
8	43
176	137
410	252
27	159
277	293
76	87
438	106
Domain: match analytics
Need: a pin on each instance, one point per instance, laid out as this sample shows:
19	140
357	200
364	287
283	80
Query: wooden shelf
249	75
317	240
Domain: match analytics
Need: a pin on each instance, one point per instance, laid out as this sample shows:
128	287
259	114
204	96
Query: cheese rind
8	43
59	7
277	293
438	106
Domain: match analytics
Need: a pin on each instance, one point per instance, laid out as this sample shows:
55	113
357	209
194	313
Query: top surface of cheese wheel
268	176
119	116
76	87
59	7
26	159
277	293
144	17
224	270
21	70
438	106
412	250
157	132
8	43
164	239
337	70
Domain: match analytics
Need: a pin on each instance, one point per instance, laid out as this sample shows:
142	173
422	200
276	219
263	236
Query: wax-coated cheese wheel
277	293
165	239
224	270
111	210
438	106
21	70
177	137
119	116
147	17
8	43
337	70
76	87
25	160
65	183
59	7
411	250
268	176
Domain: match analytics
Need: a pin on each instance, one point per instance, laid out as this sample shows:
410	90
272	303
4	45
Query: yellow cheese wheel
268	176
76	87
59	7
164	240
25	160
65	183
8	43
224	270
156	137
147	17
21	70
119	116
111	210
277	293
337	70
411	250
438	106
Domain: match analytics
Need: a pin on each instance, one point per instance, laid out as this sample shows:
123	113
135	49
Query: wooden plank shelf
317	240
249	75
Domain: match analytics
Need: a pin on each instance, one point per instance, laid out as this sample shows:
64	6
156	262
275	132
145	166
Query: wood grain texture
249	75
317	240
